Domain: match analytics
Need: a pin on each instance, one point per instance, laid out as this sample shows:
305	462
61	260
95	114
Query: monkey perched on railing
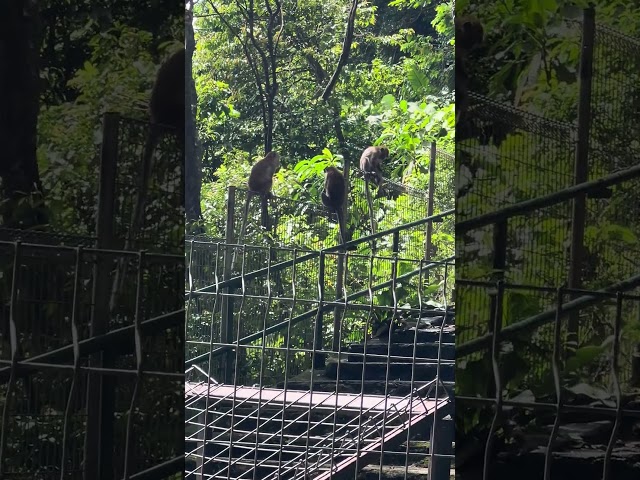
260	182
371	163
469	34
166	111
334	195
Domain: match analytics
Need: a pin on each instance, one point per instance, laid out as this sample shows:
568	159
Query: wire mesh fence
91	337
545	376
45	347
290	376
493	173
310	226
571	417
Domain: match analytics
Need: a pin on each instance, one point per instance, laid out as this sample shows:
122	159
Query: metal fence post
581	169
318	361
430	200
98	445
442	444
226	324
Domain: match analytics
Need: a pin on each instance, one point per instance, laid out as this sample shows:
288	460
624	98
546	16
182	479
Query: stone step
397	370
322	383
373	472
377	347
425	335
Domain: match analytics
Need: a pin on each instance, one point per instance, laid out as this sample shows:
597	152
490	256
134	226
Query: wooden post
581	170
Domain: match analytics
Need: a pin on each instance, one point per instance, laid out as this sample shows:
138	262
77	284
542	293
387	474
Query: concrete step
375	348
397	370
425	335
322	383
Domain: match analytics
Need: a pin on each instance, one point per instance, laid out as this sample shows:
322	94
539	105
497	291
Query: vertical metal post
98	445
226	325
318	361
499	265
432	178
341	258
581	168
442	444
396	242
201	439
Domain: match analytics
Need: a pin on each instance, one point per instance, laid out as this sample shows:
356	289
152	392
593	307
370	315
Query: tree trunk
193	161
19	106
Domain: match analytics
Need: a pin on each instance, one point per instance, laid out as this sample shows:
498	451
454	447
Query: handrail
123	337
309	314
547	200
237	281
545	317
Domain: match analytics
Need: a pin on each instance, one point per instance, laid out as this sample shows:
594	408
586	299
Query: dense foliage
394	89
530	60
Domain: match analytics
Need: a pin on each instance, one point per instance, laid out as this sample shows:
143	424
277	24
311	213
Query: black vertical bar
442	444
318	357
499	265
581	168
226	325
98	446
432	179
396	241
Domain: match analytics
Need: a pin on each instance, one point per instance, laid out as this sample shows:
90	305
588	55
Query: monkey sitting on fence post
260	183
334	195
166	110
469	34
371	164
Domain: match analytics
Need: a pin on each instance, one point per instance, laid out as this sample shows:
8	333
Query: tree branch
344	56
249	58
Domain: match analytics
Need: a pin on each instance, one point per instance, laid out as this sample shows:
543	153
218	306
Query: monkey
371	162
166	111
261	176
260	181
334	195
469	34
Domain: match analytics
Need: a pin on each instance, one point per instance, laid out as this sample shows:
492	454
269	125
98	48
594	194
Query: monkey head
273	159
469	32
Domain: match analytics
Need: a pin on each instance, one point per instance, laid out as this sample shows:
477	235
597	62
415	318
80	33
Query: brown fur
469	34
371	163
261	176
261	181
167	105
334	195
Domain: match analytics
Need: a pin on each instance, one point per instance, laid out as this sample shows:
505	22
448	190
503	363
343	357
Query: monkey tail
137	213
371	215
341	225
264	206
243	227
